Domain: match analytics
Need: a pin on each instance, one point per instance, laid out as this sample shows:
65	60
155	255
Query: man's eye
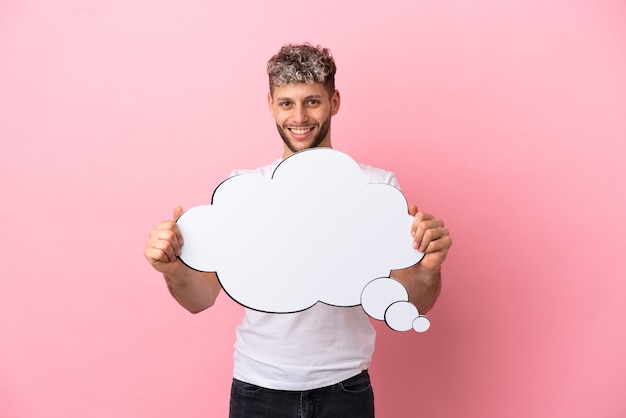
284	104
314	102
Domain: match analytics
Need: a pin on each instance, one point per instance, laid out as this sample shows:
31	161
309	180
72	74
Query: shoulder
265	171
378	175
370	174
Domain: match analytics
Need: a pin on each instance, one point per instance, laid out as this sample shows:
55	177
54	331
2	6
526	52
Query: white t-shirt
317	347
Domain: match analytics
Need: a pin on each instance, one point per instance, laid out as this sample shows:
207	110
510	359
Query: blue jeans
351	398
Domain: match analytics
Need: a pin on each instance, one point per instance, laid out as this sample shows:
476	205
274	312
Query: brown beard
317	139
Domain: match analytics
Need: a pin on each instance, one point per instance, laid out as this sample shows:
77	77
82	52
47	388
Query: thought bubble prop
313	232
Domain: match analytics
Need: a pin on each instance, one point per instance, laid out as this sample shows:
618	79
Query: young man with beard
311	363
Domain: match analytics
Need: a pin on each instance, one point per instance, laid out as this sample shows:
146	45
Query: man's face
302	113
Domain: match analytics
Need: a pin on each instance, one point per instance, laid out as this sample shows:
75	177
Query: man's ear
335	102
270	102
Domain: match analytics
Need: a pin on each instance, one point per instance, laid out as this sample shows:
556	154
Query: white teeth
300	131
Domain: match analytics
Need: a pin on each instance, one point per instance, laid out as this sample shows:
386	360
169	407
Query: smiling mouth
301	131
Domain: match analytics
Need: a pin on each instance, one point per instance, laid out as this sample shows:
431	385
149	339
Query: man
310	363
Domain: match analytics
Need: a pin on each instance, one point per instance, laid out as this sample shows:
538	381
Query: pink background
505	118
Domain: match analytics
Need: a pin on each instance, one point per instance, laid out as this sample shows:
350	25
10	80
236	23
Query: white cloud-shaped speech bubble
313	232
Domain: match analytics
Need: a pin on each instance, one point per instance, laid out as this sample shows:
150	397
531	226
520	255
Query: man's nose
300	115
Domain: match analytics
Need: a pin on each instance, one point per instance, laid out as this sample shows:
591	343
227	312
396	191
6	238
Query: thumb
177	212
413	210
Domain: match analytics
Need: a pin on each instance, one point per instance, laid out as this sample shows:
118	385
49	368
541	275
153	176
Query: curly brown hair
302	63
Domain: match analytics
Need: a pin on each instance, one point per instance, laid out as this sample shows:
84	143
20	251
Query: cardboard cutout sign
313	232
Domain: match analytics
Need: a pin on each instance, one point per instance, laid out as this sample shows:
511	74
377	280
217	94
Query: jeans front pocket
357	384
245	389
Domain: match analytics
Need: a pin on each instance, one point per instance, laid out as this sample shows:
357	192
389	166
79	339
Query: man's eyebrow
312	96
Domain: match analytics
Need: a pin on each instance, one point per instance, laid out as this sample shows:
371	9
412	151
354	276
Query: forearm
423	285
194	290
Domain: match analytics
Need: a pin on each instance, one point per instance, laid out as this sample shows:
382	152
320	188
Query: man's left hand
430	237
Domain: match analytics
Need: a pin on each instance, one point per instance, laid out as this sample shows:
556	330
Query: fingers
177	212
164	242
429	233
431	237
434	241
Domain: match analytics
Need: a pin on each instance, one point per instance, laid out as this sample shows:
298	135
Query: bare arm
423	280
194	290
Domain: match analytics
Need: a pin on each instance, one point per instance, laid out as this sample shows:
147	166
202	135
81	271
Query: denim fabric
353	398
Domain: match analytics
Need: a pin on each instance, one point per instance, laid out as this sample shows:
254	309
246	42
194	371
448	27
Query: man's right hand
194	290
163	246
